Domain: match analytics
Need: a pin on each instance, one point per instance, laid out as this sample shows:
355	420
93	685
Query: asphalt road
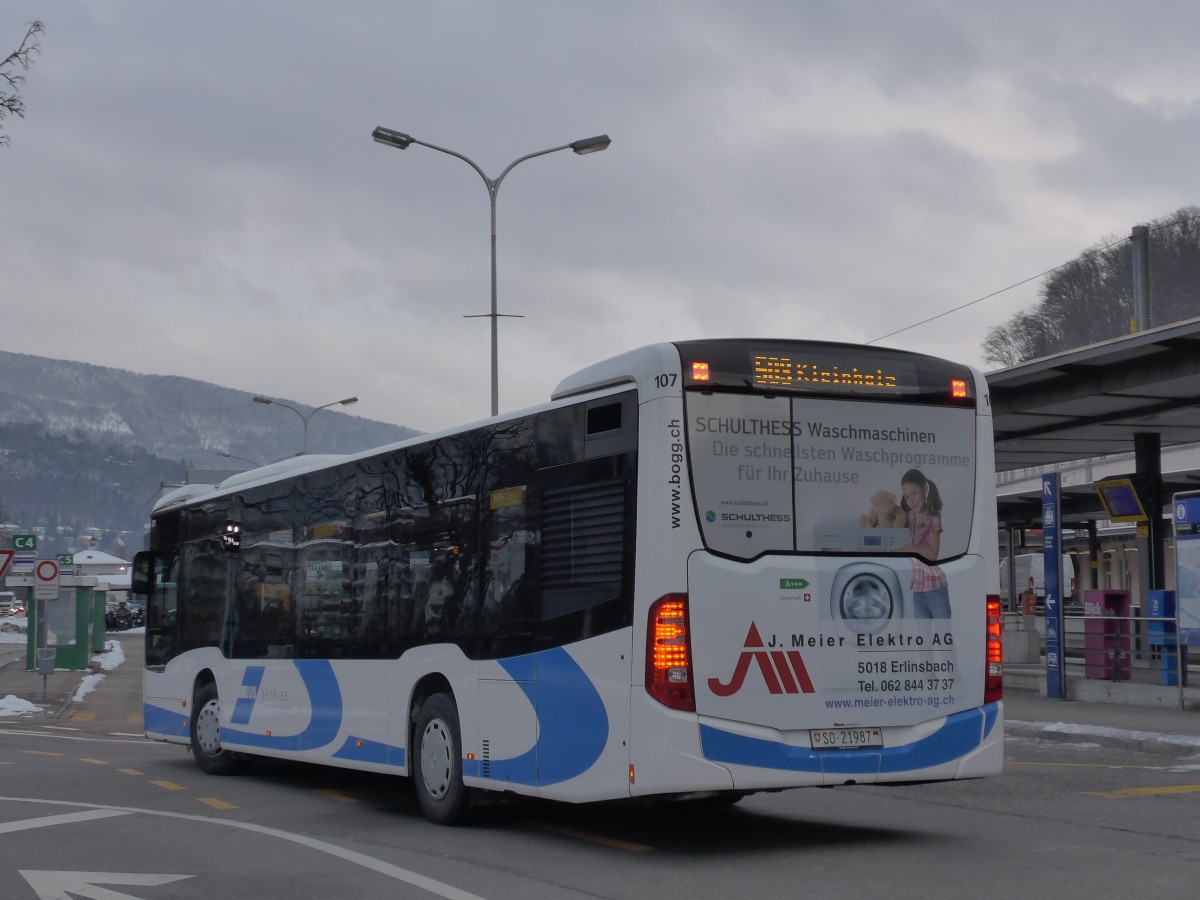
84	802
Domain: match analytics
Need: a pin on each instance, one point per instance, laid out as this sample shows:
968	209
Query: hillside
85	446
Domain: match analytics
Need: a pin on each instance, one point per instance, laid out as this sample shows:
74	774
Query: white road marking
57	885
397	873
63	819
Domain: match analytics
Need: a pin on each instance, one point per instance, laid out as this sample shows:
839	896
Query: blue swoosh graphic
366	750
251	678
156	720
960	734
572	722
325	698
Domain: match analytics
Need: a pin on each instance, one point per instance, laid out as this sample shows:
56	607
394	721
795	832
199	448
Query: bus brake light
958	389
668	654
700	371
993	683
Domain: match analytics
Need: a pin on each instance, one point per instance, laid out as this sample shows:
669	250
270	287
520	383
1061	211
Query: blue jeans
933	604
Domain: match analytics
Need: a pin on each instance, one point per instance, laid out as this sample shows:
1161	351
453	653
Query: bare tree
1090	299
11	78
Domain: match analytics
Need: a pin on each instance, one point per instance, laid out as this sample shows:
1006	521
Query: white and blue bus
703	569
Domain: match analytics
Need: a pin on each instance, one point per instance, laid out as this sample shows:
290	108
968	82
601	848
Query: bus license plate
845	738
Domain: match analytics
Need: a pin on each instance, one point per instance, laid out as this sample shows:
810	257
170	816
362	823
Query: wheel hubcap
208	729
437	750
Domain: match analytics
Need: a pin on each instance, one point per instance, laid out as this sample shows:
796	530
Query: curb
1116	738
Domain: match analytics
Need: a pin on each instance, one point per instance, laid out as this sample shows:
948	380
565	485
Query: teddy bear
885	512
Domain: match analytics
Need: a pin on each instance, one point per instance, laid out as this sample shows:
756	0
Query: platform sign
1186	517
23	563
1052	555
45	580
24	543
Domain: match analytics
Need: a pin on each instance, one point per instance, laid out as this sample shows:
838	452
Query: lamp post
266	401
582	147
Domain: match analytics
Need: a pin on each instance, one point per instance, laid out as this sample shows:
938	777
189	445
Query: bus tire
206	733
437	763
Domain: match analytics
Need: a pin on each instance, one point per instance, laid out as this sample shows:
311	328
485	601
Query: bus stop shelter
1137	395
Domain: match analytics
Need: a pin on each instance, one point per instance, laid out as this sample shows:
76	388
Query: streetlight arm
347	402
491	185
266	401
512	165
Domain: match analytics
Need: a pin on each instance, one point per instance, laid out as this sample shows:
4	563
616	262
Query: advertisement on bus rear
879	499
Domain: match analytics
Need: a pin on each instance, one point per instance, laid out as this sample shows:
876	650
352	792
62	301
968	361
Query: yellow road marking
42	753
1149	791
593	838
334	795
82	716
169	785
217	804
131	771
94	762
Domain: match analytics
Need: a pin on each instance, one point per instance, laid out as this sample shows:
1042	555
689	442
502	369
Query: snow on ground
12	629
112	657
15	706
1186	742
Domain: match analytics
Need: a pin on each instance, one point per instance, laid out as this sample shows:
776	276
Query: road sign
22	563
26	543
45	580
5	558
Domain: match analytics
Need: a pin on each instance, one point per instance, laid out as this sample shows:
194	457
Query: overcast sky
194	190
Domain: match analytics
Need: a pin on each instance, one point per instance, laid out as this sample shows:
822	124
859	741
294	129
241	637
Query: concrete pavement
114	705
113	702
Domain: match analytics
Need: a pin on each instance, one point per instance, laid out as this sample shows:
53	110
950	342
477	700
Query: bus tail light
993	683
669	654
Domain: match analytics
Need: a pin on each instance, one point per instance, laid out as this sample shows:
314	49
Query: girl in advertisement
923	504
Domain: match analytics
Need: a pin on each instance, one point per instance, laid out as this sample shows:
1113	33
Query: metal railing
1131	649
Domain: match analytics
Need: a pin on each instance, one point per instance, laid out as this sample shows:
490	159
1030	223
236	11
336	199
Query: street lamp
266	401
401	141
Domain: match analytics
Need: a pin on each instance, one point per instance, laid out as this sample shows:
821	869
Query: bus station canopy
1091	402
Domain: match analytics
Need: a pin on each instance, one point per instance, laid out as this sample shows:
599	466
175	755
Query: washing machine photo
866	599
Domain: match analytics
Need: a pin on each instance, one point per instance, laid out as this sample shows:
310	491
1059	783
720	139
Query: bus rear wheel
437	763
206	733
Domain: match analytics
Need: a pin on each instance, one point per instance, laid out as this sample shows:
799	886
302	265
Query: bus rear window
778	473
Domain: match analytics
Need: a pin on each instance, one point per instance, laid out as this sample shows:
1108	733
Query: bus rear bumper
968	744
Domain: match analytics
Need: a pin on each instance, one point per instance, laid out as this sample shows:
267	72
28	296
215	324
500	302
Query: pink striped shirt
924	577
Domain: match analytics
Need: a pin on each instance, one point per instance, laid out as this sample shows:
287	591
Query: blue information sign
1056	682
1187	566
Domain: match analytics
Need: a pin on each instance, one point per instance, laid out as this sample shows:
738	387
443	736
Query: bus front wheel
437	763
206	733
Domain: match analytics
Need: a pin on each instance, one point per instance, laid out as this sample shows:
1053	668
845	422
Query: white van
1031	577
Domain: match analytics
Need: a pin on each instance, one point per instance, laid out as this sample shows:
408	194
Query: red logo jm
782	670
